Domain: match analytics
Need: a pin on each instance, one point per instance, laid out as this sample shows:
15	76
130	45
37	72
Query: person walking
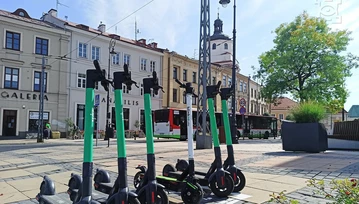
48	127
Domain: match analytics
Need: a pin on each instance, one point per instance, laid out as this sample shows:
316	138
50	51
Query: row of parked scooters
221	179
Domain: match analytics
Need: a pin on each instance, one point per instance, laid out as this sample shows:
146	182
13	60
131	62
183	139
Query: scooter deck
52	199
203	181
104	187
96	195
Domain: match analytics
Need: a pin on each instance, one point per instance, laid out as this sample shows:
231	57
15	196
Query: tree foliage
307	61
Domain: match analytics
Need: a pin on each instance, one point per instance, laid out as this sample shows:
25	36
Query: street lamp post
233	126
109	130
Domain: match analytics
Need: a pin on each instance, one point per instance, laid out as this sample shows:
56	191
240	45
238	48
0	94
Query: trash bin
222	135
56	135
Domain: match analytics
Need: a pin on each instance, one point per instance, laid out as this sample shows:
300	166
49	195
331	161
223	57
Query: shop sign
125	102
24	96
35	115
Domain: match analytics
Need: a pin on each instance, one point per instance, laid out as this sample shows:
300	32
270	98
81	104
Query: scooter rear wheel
241	181
162	197
192	195
167	169
222	192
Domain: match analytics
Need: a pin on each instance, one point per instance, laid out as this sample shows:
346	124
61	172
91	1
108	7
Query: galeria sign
27	96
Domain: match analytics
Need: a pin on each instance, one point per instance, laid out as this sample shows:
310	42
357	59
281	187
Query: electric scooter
119	190
47	188
187	183
218	179
229	164
149	190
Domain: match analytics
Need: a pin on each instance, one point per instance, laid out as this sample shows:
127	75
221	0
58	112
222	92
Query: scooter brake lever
135	83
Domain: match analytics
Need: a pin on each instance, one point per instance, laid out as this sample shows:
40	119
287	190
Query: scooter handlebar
180	83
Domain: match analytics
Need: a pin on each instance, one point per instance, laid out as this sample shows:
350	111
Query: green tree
307	61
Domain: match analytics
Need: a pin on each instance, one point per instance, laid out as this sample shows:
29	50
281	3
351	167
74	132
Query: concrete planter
307	137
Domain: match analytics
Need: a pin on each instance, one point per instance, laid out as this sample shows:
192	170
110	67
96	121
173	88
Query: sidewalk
267	168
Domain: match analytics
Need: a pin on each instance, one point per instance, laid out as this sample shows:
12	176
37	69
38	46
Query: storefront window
34	120
126	117
80	115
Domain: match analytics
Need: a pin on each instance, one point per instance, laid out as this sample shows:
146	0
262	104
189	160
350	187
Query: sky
174	24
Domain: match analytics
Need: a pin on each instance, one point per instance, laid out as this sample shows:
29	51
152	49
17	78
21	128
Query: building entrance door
9	123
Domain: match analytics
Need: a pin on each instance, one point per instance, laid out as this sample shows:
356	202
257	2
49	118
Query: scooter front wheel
240	181
162	197
138	178
222	192
192	194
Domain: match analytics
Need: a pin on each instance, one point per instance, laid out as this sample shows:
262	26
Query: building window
34	118
42	46
194	77
116	58
214	46
174	95
95	53
214	80
37	79
225	46
126	59
12	40
175	72
152	66
141	90
11	78
81	80
224	81
245	87
251	107
255	94
80	116
143	64
229	82
184	98
96	85
83	50
241	86
251	92
194	100
126	117
185	75
281	116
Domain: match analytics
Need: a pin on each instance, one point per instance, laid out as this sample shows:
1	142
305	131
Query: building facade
258	106
24	42
180	67
281	109
88	44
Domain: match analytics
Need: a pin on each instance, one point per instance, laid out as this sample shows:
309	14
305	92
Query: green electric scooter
187	183
149	190
229	164
218	179
118	191
47	189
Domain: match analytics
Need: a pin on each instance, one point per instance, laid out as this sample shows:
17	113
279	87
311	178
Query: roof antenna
136	30
61	4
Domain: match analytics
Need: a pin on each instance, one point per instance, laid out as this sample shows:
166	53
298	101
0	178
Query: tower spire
218	13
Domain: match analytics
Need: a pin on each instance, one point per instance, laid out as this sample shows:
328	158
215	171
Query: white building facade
88	44
24	42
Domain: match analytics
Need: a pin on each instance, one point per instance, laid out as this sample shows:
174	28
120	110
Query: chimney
142	41
102	27
53	12
153	45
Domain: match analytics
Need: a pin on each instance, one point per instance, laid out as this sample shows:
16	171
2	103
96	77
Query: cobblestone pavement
266	167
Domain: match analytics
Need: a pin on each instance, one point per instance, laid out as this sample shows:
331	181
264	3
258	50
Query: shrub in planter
306	133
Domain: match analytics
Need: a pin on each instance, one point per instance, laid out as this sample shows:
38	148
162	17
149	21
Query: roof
283	103
354	111
139	43
22	15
